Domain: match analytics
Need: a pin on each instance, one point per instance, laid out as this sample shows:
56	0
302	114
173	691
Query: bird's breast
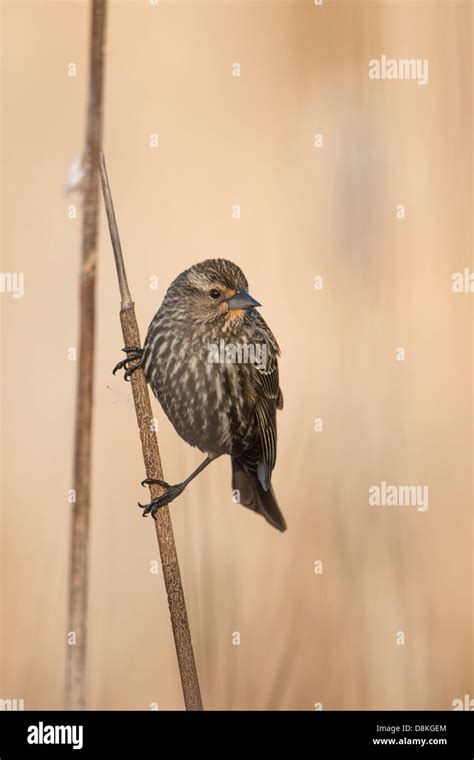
206	396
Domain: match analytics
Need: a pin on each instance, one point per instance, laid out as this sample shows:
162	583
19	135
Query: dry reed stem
152	460
78	572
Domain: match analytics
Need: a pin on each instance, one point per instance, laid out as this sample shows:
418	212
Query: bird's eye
214	293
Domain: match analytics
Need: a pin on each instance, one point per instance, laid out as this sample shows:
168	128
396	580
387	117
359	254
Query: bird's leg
171	491
133	354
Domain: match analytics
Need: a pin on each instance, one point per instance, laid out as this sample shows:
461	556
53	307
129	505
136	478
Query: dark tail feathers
253	495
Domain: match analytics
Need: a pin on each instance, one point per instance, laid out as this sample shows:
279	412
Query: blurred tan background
305	212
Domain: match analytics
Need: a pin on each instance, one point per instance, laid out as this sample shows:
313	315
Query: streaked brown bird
211	361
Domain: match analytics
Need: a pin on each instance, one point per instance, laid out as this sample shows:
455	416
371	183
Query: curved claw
133	354
119	365
153	482
130	370
150	508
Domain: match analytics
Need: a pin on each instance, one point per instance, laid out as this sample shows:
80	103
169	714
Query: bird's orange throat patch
233	320
235	314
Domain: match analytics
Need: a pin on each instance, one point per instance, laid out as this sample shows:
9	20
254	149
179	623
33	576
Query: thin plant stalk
79	546
152	461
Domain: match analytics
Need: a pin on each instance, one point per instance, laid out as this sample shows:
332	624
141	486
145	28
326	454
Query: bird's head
214	289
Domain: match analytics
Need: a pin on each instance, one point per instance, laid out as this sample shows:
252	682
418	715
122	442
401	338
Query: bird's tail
254	496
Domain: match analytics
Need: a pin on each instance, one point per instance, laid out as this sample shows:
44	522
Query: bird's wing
268	398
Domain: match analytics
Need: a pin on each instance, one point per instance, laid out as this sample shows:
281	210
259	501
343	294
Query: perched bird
211	361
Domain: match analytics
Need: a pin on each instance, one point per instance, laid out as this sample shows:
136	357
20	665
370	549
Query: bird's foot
134	354
170	494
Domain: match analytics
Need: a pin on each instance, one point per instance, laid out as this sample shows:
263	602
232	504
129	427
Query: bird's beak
242	300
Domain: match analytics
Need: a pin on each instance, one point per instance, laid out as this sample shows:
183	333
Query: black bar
375	734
